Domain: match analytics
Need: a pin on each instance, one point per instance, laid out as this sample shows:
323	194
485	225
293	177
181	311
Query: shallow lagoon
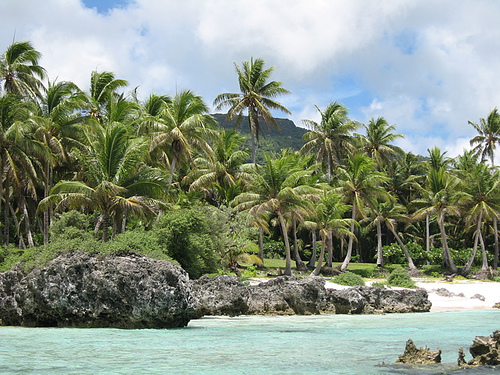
326	344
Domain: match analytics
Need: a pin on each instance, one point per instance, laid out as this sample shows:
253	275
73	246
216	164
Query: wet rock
82	290
414	355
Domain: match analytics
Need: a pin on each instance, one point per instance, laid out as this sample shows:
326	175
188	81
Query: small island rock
419	356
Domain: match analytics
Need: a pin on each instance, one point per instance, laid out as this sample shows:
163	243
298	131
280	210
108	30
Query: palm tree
482	203
20	72
441	196
103	86
118	183
18	152
278	190
390	213
489	135
186	127
376	143
359	183
224	177
57	126
331	139
328	219
256	96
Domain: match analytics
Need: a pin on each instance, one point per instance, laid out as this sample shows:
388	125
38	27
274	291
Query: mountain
271	140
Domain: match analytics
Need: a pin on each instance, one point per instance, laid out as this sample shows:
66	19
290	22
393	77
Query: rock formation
419	356
484	350
289	295
81	290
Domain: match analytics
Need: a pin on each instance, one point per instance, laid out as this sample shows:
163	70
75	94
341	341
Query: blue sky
427	66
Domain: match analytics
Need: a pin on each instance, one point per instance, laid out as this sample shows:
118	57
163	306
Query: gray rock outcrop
484	351
288	295
81	290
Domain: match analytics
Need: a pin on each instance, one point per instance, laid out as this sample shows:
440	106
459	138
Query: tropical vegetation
103	171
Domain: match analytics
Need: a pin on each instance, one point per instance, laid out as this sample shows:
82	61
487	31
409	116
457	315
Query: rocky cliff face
226	295
80	290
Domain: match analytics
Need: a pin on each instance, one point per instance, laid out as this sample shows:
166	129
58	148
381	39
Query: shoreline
462	294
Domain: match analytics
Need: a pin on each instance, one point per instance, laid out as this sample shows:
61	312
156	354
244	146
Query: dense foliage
107	172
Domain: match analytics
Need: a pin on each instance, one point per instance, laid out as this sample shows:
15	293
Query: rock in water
419	356
82	290
484	350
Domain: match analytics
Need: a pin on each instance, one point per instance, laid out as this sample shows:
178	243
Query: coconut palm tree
489	136
20	72
186	127
329	220
117	185
278	190
57	123
389	212
360	184
482	203
442	196
103	86
331	139
377	141
256	97
224	177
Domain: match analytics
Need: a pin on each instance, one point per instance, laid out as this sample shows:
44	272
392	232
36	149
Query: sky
426	66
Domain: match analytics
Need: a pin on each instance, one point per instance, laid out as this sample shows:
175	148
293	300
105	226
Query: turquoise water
325	344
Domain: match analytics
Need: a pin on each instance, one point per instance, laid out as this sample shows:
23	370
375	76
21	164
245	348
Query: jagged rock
289	295
81	290
222	295
484	350
496	305
443	292
414	355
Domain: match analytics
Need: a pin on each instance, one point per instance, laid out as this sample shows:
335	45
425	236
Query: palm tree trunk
46	191
330	167
98	225
483	252
329	242
105	229
1	190
20	242
427	234
411	265
261	245
495	229
299	264
347	259
171	173
465	270
380	258
444	242
288	258
27	222
317	269
6	210
312	261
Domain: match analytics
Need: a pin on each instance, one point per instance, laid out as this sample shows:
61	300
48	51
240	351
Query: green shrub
185	236
70	225
400	277
378	285
363	272
274	250
348	278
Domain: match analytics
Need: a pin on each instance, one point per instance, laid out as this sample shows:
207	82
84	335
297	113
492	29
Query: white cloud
427	67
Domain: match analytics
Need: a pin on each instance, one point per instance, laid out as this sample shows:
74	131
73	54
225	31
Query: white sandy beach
463	294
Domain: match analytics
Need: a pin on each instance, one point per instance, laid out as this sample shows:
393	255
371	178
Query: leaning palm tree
489	136
360	185
331	138
256	96
20	72
482	203
278	190
117	185
377	141
442	196
329	219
